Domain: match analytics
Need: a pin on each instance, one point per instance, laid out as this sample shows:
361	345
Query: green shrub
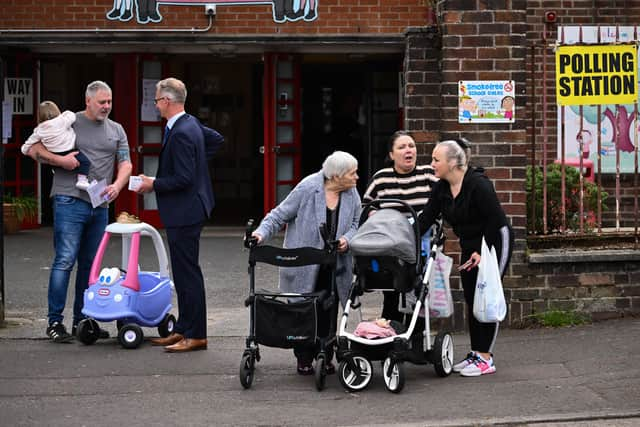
26	206
572	200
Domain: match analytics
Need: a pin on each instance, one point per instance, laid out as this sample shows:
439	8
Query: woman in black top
468	203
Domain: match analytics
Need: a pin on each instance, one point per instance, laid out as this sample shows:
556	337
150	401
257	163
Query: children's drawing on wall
468	107
506	106
583	137
294	10
147	11
486	101
122	10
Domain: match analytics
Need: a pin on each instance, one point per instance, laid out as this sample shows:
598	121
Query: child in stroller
388	257
290	320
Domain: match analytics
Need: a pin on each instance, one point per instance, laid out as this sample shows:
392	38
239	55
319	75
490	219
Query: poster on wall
617	121
19	92
7	112
486	101
581	136
148	110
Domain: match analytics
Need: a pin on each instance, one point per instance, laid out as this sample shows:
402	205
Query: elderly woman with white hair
328	196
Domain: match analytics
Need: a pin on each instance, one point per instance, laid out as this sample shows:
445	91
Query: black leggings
483	335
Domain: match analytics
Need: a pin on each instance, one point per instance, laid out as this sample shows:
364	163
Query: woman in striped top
406	181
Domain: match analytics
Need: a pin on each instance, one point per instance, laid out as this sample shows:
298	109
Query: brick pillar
422	95
486	40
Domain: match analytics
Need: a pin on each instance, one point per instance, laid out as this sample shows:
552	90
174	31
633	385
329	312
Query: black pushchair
387	257
287	320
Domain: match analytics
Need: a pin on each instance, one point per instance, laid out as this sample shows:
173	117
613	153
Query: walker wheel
320	371
247	366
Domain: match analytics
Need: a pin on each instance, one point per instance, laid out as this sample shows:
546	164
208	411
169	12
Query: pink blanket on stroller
373	330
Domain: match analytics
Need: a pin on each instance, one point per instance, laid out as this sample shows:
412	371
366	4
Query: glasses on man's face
155	101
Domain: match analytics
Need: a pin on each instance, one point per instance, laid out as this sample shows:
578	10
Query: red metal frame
268	108
150	216
25	66
271	105
125	103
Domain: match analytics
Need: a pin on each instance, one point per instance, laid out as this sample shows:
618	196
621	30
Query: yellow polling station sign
597	74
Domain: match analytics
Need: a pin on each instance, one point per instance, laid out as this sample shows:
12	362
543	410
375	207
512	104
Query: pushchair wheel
320	372
165	328
247	366
130	336
355	373
88	331
442	354
393	373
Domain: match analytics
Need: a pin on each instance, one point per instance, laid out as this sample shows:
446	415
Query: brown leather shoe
171	339
187	344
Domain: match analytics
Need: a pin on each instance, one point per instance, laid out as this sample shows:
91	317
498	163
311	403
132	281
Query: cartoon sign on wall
486	101
146	11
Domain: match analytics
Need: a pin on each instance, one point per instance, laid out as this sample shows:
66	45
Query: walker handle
249	240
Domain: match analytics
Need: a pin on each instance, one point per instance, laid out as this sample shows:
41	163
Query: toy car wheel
130	336
247	366
88	331
393	373
167	325
442	354
355	373
320	371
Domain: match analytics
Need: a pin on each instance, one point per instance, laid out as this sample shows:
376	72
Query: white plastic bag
440	300
488	303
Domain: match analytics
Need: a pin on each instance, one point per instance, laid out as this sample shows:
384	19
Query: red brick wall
476	40
485	41
334	17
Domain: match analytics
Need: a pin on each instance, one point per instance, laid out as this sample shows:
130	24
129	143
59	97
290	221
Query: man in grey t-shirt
77	226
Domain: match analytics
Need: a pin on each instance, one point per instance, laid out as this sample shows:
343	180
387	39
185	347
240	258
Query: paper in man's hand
95	190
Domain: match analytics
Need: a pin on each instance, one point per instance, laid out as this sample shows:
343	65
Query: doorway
351	107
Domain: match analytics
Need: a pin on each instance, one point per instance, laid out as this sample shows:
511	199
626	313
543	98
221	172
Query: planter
19	211
10	218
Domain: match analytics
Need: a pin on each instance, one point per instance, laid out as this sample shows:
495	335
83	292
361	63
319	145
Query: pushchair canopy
386	233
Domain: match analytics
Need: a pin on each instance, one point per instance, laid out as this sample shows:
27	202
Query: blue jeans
77	232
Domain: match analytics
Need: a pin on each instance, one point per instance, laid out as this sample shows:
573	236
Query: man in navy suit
185	200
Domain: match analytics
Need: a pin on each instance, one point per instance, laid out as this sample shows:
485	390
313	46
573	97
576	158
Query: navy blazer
183	185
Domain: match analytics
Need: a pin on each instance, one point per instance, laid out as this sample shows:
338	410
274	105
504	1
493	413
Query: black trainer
102	334
58	333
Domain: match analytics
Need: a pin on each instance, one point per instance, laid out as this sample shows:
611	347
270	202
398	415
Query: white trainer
468	360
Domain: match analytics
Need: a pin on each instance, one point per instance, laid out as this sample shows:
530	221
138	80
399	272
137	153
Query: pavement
575	376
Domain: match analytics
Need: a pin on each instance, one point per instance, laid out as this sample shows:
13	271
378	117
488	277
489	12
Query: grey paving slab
568	377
